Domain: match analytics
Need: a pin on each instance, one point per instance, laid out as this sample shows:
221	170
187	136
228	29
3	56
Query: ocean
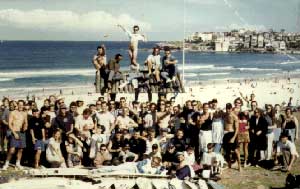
27	67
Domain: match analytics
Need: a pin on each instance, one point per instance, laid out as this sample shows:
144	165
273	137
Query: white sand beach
266	91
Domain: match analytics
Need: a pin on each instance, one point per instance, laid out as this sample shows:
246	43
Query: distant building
260	41
222	44
253	41
282	46
206	36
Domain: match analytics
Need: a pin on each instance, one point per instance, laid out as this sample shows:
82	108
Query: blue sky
159	19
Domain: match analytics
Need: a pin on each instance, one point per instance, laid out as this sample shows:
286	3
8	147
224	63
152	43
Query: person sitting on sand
286	153
169	69
145	166
74	149
103	157
183	171
53	152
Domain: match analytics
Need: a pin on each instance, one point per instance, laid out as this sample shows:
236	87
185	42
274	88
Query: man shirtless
17	123
230	142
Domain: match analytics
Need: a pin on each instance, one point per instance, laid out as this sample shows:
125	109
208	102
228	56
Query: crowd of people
148	137
159	137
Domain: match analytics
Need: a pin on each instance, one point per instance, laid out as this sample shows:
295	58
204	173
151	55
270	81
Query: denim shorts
20	143
39	145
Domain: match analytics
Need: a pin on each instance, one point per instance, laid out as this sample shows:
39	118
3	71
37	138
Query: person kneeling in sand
74	149
286	153
53	153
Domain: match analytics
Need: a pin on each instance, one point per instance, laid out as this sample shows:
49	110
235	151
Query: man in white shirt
286	151
134	37
124	121
105	118
84	124
153	63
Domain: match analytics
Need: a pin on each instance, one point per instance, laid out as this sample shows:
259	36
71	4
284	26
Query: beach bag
292	181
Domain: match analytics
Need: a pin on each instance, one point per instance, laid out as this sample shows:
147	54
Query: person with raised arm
134	37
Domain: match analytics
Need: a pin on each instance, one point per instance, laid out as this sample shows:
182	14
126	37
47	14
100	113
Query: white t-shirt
135	38
106	119
189	159
207	158
155	60
80	122
124	122
289	146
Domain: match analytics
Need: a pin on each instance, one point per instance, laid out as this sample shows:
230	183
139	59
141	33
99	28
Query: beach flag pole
183	53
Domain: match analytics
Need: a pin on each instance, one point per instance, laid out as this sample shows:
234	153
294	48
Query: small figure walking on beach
134	37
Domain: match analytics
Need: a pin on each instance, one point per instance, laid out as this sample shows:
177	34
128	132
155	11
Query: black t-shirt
37	124
183	172
169	157
179	144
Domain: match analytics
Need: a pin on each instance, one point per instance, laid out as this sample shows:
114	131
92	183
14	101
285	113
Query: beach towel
205	137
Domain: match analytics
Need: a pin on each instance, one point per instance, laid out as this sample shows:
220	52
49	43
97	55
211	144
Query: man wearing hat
286	153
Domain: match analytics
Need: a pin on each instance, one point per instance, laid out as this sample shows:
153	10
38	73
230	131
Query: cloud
65	20
243	26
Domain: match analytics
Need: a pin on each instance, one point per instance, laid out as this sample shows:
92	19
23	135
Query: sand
266	91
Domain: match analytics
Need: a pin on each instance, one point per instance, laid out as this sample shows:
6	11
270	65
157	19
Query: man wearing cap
286	153
230	142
